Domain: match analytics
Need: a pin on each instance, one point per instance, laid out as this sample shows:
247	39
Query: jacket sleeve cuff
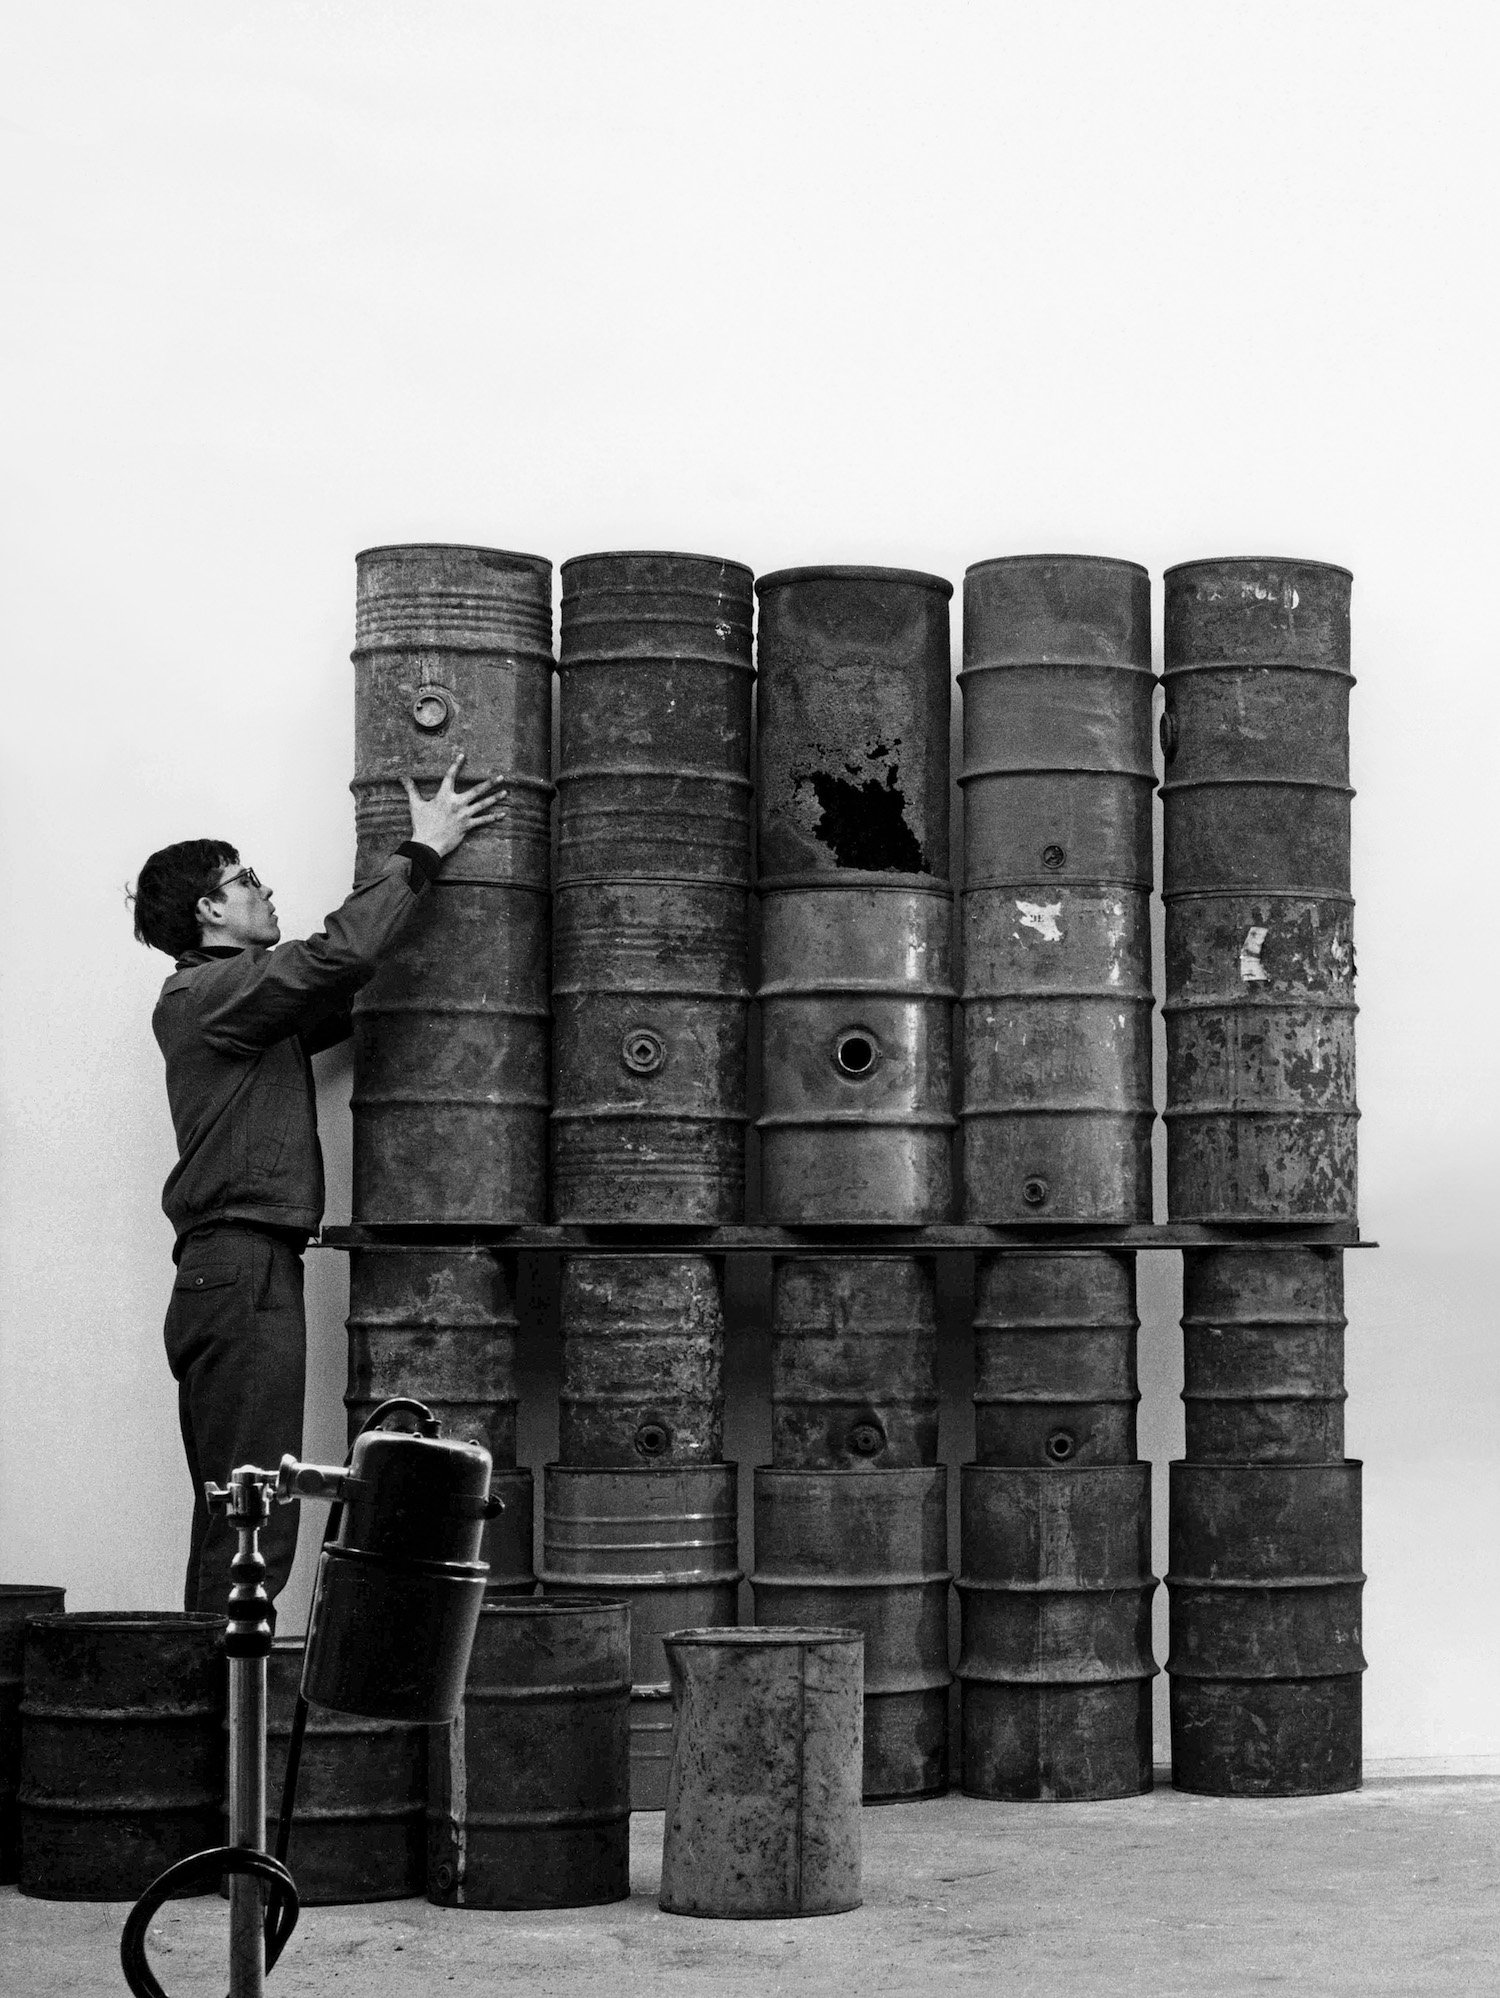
425	864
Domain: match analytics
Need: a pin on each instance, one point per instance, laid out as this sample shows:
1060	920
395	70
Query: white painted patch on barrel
1041	917
1252	971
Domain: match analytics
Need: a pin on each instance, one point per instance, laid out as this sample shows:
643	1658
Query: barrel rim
130	1619
937	1473
552	1605
1334	1464
1256	561
852	572
1083	561
652	555
541	564
858	880
12	1590
722	1470
764	1637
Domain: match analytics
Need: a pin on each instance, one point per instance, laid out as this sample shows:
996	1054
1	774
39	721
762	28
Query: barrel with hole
1054	1358
1259	1010
867	1550
18	1602
529	1803
1057	783
856	1001
643	1359
122	1749
663	1541
852	755
1263	1355
1264	1589
1056	1665
854	1362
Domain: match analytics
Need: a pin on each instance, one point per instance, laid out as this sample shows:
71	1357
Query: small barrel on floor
18	1602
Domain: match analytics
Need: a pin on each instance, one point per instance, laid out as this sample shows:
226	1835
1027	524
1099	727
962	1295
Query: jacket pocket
206	1275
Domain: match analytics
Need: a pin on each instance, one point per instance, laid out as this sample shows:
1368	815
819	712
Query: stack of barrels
650	1003
856	1128
1264	1579
1055	1512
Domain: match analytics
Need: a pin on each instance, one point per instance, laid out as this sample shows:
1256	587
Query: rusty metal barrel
663	1541
1056	1666
122	1749
764	1800
867	1550
1057	784
529	1798
454	652
1054	1358
856	1004
18	1602
650	978
854	1362
1263	1355
1261	1116
643	1361
359	1831
1264	1588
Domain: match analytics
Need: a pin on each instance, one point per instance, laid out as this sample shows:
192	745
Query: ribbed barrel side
1263	1355
854	1362
17	1603
1055	1358
643	1361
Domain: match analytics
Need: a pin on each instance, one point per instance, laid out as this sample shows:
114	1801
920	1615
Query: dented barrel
1056	1665
867	1550
1264	1589
854	1362
852	756
1055	1358
122	1749
1057	783
529	1798
18	1602
650	979
1263	1355
643	1361
1261	1114
664	1542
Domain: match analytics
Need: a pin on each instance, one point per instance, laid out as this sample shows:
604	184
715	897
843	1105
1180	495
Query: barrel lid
836	572
1257	561
1087	561
764	1636
128	1619
654	555
540	563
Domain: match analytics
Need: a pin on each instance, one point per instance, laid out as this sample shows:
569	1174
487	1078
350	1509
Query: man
237	1022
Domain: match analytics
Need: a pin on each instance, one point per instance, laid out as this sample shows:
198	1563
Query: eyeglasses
246	874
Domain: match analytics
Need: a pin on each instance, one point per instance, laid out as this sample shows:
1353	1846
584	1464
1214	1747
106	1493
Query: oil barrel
1264	1662
1054	1357
1057	785
1259	1009
122	1749
650	981
1263	1355
643	1361
763	1805
1056	1666
359	1830
856	1004
867	1550
853	701
663	1541
529	1800
854	1362
18	1601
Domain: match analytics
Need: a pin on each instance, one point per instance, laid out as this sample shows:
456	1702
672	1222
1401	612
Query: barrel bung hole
855	1053
1060	1446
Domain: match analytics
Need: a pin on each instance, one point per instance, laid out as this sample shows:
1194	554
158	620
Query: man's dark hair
166	895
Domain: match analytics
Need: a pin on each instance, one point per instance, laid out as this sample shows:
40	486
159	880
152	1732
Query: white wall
787	283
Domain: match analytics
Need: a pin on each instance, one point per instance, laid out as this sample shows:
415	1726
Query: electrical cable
194	1875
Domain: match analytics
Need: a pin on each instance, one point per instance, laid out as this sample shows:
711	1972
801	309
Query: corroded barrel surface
854	1362
17	1603
1260	1004
868	1551
359	1831
1264	1590
1056	1666
529	1798
453	653
764	1799
1054	1358
1263	1355
651	994
1057	778
643	1361
450	1063
438	1324
122	1750
853	723
663	1541
856	1054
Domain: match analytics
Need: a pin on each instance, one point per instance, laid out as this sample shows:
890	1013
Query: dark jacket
237	1028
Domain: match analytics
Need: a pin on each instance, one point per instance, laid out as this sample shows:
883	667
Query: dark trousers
237	1346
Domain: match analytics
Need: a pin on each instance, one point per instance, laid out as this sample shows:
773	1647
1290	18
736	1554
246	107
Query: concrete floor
1395	1888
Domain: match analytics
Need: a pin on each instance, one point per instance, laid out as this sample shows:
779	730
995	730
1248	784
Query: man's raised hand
445	820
